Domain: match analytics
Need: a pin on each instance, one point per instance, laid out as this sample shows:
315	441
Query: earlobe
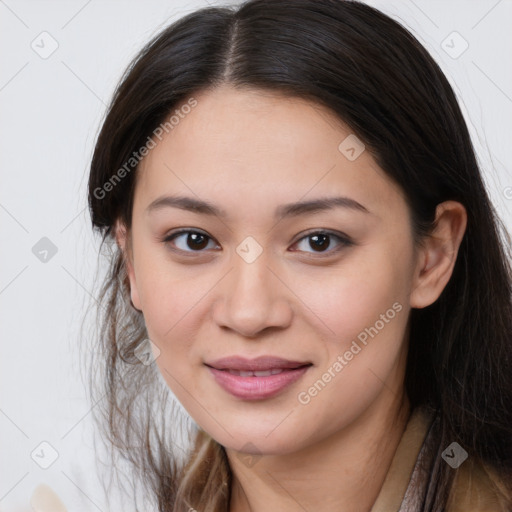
122	241
438	255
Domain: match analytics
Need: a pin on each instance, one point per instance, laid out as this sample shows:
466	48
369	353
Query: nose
252	298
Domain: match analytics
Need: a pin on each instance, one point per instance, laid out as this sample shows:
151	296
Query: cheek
352	296
170	307
364	317
166	289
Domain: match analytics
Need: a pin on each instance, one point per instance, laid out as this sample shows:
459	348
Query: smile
258	384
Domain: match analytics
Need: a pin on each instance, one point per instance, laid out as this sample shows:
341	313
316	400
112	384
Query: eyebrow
285	210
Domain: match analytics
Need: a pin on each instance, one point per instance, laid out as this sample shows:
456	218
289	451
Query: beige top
475	487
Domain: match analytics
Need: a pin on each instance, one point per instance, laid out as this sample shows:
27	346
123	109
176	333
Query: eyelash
344	240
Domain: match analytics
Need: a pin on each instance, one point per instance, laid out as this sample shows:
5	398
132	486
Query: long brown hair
375	75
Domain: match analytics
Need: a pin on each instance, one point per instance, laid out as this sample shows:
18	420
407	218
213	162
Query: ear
437	256
124	243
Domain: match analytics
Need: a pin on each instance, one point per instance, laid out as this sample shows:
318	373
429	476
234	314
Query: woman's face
328	287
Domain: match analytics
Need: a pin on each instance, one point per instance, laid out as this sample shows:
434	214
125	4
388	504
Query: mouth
259	364
256	379
261	373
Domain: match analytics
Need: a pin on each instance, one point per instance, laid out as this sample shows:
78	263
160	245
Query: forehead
260	148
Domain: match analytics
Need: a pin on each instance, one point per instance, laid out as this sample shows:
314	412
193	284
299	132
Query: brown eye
321	241
188	241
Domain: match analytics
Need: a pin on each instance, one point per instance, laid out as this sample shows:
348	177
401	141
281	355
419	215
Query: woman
304	248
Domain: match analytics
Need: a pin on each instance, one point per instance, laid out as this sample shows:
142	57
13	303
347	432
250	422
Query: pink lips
273	374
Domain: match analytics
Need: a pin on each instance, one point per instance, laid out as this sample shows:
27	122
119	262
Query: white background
51	110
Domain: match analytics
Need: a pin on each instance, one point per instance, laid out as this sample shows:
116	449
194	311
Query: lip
261	363
253	387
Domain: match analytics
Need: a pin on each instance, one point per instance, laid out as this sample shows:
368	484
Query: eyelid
345	240
169	237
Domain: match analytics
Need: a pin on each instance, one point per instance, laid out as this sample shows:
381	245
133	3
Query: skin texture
247	152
